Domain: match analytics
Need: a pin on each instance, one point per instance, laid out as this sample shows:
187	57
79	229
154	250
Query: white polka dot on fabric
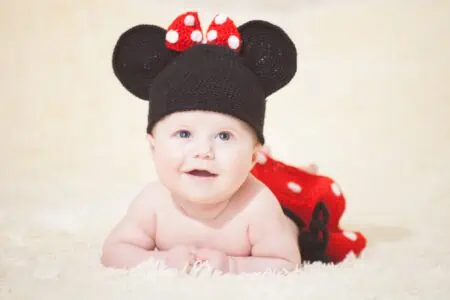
212	35
172	36
336	189
296	188
220	19
189	20
261	158
196	36
233	42
350	235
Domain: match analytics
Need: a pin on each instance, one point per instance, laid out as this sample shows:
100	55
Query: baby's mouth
201	173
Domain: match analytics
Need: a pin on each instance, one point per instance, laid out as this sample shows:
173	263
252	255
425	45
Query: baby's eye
183	134
224	135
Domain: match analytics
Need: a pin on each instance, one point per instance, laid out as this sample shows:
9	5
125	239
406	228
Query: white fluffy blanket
370	105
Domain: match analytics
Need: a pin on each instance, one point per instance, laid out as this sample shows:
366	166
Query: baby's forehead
205	119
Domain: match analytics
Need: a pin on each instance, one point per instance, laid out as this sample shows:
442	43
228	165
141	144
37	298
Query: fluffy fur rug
369	105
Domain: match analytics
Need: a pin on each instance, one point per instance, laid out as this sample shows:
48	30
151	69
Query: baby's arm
132	240
274	241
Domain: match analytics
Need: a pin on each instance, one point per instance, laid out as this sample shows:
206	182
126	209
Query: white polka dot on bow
172	36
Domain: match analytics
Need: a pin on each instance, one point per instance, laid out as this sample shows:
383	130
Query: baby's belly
231	239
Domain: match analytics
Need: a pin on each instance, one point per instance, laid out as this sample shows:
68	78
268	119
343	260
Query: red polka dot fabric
186	31
299	191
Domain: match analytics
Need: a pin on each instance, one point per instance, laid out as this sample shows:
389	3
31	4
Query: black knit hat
232	72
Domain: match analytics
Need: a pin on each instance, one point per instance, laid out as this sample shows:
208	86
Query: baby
206	205
207	101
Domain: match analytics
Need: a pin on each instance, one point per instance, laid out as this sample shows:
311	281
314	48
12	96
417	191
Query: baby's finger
205	254
202	255
192	258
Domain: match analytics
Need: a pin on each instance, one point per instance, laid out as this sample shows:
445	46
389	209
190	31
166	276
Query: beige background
370	104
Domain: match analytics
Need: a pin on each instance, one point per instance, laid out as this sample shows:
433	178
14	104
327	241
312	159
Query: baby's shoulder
264	201
149	198
265	211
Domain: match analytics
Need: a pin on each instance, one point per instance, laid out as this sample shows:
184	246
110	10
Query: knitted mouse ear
269	53
139	55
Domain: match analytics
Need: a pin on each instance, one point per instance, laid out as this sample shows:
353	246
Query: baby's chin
203	198
212	192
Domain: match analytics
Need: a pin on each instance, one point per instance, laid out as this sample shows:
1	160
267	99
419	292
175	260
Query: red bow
186	31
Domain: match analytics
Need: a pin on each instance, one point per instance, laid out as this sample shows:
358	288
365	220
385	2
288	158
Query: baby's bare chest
229	236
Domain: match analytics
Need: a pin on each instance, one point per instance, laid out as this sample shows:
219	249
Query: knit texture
210	77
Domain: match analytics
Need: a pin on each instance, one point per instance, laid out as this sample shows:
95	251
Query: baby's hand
181	257
217	260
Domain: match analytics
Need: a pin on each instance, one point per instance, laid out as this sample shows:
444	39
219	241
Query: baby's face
203	157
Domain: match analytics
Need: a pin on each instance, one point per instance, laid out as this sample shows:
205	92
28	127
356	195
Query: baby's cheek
237	155
166	166
169	155
238	169
235	163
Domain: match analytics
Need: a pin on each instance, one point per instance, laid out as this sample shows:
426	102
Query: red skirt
316	204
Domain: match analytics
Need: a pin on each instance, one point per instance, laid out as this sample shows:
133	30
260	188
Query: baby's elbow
291	253
296	252
295	257
292	258
106	257
105	261
109	256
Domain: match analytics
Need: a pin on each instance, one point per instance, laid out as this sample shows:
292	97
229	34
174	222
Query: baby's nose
204	150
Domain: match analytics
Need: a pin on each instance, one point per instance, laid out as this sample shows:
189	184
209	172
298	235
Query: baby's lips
201	170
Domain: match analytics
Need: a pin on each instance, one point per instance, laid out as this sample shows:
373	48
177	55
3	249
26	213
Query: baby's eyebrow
218	127
178	126
228	128
235	127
